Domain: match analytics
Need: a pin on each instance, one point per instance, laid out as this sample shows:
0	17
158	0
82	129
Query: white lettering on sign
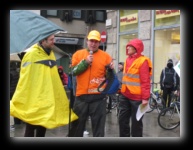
61	40
103	36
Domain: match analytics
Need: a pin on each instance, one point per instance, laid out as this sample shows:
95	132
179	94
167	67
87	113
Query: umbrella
28	28
57	51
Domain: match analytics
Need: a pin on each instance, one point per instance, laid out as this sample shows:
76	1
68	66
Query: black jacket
169	78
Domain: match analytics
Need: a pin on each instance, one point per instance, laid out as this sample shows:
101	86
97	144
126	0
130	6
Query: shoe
12	128
86	132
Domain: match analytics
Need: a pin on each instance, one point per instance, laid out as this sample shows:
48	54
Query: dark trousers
167	96
127	111
97	112
31	129
17	121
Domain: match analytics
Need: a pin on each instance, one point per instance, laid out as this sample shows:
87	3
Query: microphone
90	52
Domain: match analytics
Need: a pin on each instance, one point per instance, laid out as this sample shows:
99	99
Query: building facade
158	29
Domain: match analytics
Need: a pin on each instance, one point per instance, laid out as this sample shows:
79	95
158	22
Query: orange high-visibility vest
131	79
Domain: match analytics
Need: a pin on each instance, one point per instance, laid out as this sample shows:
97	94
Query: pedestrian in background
40	99
63	75
135	89
113	97
169	81
89	68
14	77
120	72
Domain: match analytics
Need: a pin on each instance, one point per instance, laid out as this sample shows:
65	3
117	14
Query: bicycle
156	101
112	103
117	104
169	117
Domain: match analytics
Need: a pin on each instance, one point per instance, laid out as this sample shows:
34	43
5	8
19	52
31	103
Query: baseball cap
94	35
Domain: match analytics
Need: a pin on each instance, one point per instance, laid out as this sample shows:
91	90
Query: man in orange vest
135	89
88	65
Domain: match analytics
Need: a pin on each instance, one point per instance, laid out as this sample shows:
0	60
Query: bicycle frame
155	101
176	104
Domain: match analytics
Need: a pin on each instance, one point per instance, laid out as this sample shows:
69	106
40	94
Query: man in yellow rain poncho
40	99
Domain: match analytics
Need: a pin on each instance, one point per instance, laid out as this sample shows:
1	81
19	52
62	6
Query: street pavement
150	129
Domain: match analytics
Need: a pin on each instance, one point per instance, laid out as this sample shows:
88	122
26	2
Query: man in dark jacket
169	80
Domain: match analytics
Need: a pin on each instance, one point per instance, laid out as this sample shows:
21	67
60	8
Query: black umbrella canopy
28	28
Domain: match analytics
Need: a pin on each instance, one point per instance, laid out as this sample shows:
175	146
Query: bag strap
102	83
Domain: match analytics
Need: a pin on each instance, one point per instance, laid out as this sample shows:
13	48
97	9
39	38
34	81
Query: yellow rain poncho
40	98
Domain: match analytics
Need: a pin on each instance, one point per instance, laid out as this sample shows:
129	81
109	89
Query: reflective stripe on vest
131	79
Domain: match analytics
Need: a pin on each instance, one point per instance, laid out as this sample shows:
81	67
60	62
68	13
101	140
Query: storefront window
128	20
167	46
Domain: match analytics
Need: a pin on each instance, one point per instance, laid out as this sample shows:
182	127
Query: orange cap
94	35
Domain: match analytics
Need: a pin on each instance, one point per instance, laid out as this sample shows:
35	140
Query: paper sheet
177	68
141	110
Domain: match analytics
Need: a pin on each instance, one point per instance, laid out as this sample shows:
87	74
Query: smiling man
39	99
89	68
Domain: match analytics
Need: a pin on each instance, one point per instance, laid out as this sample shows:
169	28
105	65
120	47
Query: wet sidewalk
151	128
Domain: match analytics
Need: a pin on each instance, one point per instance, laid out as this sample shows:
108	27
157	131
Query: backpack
112	82
169	78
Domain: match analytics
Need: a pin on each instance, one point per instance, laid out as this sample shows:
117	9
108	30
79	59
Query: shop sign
166	13
129	19
61	40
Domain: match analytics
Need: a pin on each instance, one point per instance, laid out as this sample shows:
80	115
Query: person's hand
144	102
111	65
89	59
161	92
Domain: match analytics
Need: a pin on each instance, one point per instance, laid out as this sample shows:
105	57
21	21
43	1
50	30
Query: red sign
103	36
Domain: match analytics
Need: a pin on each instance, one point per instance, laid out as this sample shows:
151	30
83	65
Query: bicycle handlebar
155	83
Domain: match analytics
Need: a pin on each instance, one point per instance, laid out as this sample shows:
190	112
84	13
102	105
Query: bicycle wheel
152	105
168	118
